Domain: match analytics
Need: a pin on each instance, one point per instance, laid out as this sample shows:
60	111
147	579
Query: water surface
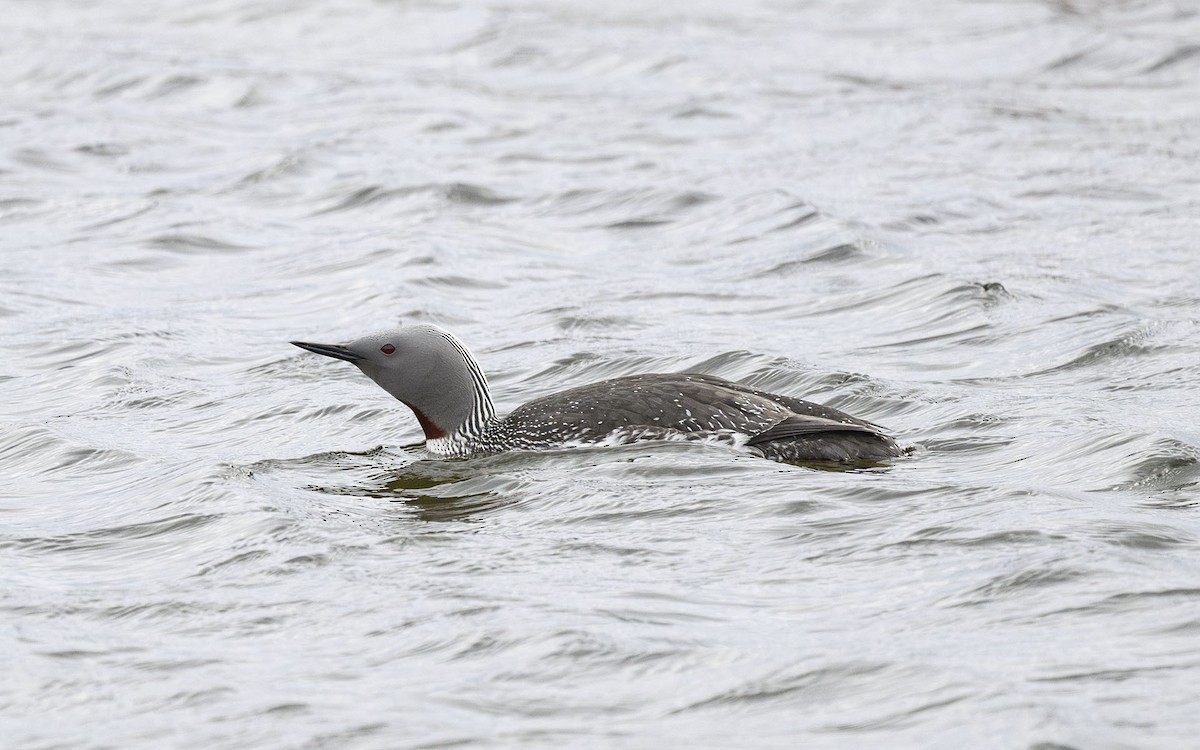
973	222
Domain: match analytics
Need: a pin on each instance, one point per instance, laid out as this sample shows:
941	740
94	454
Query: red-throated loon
432	373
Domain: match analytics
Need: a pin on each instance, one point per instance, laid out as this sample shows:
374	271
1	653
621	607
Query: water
973	222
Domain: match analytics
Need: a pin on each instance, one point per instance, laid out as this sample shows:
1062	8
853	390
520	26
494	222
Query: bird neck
483	411
471	413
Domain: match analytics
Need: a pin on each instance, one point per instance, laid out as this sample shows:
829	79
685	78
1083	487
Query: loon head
427	369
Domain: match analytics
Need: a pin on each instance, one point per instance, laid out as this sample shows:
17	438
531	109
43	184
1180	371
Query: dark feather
780	427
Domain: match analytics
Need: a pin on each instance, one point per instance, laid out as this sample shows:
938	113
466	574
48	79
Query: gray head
426	368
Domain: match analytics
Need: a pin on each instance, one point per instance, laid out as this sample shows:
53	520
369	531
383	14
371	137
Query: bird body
430	371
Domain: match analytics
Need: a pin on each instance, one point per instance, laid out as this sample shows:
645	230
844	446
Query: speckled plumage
434	374
687	406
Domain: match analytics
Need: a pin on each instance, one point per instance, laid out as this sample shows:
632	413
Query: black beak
329	350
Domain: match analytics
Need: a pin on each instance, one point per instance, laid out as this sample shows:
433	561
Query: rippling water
973	222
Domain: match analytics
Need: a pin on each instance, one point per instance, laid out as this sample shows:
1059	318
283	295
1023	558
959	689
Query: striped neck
458	439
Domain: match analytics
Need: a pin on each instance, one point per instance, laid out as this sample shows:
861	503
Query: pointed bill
329	350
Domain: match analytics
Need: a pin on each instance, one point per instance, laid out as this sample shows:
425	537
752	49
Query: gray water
975	223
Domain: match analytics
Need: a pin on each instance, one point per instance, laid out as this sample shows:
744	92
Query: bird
432	373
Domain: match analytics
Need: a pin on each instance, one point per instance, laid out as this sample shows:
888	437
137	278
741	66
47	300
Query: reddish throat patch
432	431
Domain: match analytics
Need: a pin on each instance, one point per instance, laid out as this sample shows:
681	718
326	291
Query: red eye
388	349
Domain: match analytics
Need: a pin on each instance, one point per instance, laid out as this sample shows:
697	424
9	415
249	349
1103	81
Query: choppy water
973	222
